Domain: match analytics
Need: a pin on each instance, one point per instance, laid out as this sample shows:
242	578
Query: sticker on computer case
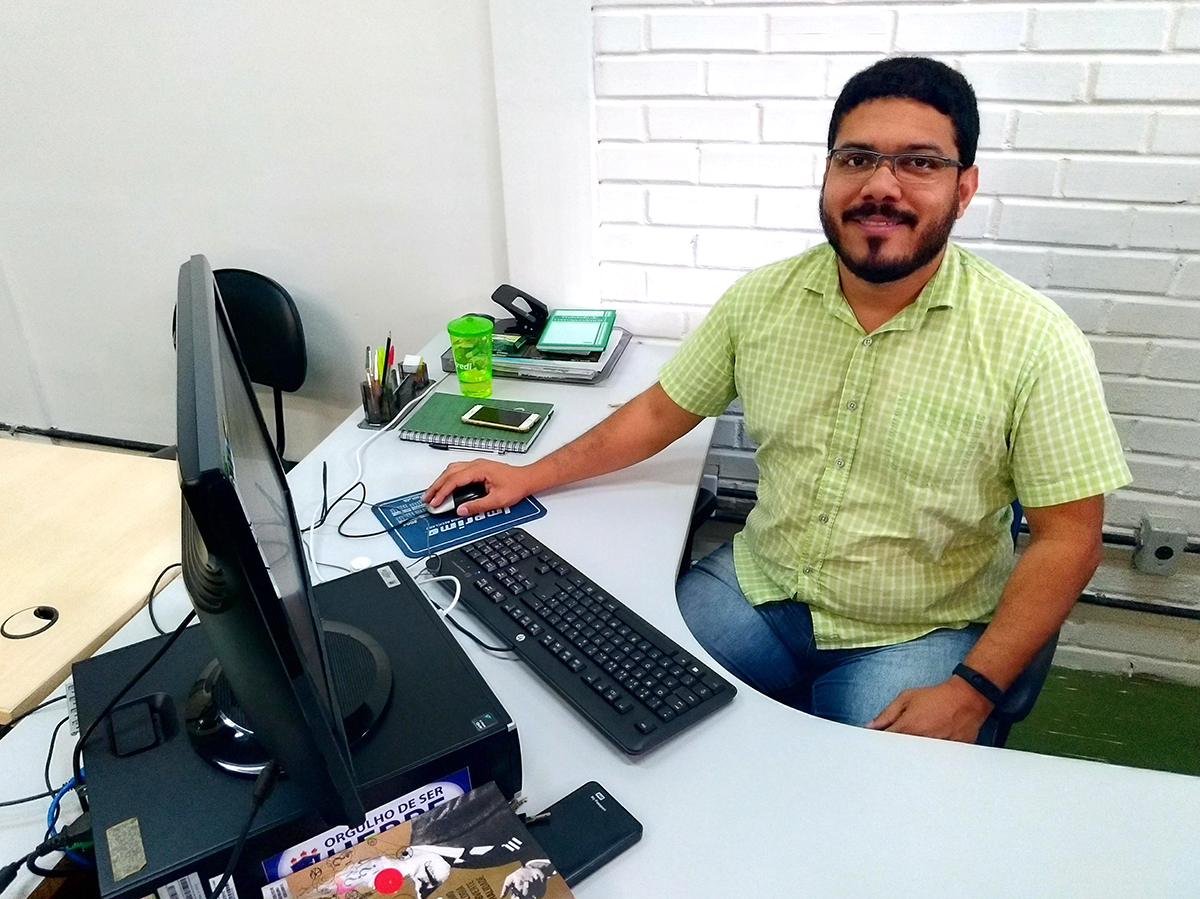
126	851
419	534
336	839
188	887
229	892
389	576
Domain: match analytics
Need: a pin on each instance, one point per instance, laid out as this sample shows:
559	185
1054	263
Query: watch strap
983	685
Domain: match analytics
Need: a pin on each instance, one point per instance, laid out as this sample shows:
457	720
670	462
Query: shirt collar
938	293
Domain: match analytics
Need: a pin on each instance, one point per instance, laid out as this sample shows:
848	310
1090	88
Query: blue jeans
771	648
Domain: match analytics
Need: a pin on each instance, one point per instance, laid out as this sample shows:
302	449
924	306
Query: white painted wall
542	51
350	151
712	118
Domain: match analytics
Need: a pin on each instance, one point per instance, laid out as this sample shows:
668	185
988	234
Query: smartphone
506	419
584	830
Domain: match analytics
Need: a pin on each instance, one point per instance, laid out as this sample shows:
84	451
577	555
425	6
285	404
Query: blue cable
52	817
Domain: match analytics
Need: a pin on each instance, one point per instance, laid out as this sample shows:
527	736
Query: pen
379	363
445	447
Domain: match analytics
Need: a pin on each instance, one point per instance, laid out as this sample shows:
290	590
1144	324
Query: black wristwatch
982	685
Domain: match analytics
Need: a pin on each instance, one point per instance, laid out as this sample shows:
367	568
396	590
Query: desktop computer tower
165	821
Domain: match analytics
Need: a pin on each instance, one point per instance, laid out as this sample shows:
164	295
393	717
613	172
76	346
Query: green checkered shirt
887	462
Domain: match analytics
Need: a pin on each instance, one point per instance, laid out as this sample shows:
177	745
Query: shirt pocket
931	442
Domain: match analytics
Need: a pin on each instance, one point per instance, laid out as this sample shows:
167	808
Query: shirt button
822	518
866	341
839	463
852	405
808	569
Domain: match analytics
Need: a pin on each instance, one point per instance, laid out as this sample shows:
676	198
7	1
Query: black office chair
702	511
1018	699
270	337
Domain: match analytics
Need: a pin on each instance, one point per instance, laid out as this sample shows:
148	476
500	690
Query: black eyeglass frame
880	157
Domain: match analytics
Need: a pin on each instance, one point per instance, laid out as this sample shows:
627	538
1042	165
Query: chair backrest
267	326
270	337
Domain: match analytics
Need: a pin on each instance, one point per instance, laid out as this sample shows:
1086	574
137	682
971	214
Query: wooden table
82	531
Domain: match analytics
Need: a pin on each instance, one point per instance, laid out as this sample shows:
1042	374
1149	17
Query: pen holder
383	402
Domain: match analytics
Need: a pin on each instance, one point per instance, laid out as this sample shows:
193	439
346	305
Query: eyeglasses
913	168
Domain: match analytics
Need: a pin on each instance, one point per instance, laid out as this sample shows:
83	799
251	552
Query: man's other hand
951	710
506	485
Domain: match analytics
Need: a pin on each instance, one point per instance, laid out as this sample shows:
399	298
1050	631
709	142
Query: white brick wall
711	118
1094	27
826	30
706	31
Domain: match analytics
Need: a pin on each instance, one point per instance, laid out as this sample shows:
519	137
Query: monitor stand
223	736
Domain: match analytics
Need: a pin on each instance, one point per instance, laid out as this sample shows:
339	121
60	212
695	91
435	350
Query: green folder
438	422
577	331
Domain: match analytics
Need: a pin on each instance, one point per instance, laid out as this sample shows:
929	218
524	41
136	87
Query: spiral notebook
438	422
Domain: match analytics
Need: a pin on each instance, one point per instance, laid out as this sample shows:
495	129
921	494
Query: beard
871	267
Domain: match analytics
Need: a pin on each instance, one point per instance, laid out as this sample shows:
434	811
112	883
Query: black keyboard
634	683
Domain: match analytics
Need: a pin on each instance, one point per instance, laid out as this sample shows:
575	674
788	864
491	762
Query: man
902	392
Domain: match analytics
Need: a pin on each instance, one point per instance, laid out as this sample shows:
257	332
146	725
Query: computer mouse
460	495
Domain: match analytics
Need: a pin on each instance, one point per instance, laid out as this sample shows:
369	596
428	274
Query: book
472	846
577	331
530	362
438	422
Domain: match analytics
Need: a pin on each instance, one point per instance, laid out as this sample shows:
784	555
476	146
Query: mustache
885	210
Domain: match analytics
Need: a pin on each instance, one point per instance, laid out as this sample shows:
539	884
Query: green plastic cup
471	342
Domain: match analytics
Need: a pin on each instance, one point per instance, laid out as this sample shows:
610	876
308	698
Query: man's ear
968	183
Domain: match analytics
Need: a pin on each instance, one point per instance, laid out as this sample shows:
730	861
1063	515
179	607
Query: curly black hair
916	78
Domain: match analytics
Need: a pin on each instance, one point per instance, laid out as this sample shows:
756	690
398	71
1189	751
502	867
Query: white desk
760	799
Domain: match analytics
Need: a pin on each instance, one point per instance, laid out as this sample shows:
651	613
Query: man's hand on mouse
506	485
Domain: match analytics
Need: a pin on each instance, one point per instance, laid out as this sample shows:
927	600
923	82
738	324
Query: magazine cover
472	847
337	839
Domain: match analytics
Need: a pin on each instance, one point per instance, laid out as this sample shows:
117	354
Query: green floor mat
1139	721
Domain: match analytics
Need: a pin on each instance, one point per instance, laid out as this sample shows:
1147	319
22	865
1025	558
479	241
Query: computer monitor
274	690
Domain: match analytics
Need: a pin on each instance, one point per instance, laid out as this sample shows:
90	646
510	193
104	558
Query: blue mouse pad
418	533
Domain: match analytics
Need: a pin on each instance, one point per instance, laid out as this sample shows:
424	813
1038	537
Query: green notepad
577	331
438	422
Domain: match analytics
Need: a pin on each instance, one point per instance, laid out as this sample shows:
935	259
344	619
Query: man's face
883	228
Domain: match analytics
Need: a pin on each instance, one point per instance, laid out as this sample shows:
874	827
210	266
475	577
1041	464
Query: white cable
457	592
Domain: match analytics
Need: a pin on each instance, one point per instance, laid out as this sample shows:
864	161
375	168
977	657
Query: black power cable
7	802
154	592
263	787
50	755
77	835
461	629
